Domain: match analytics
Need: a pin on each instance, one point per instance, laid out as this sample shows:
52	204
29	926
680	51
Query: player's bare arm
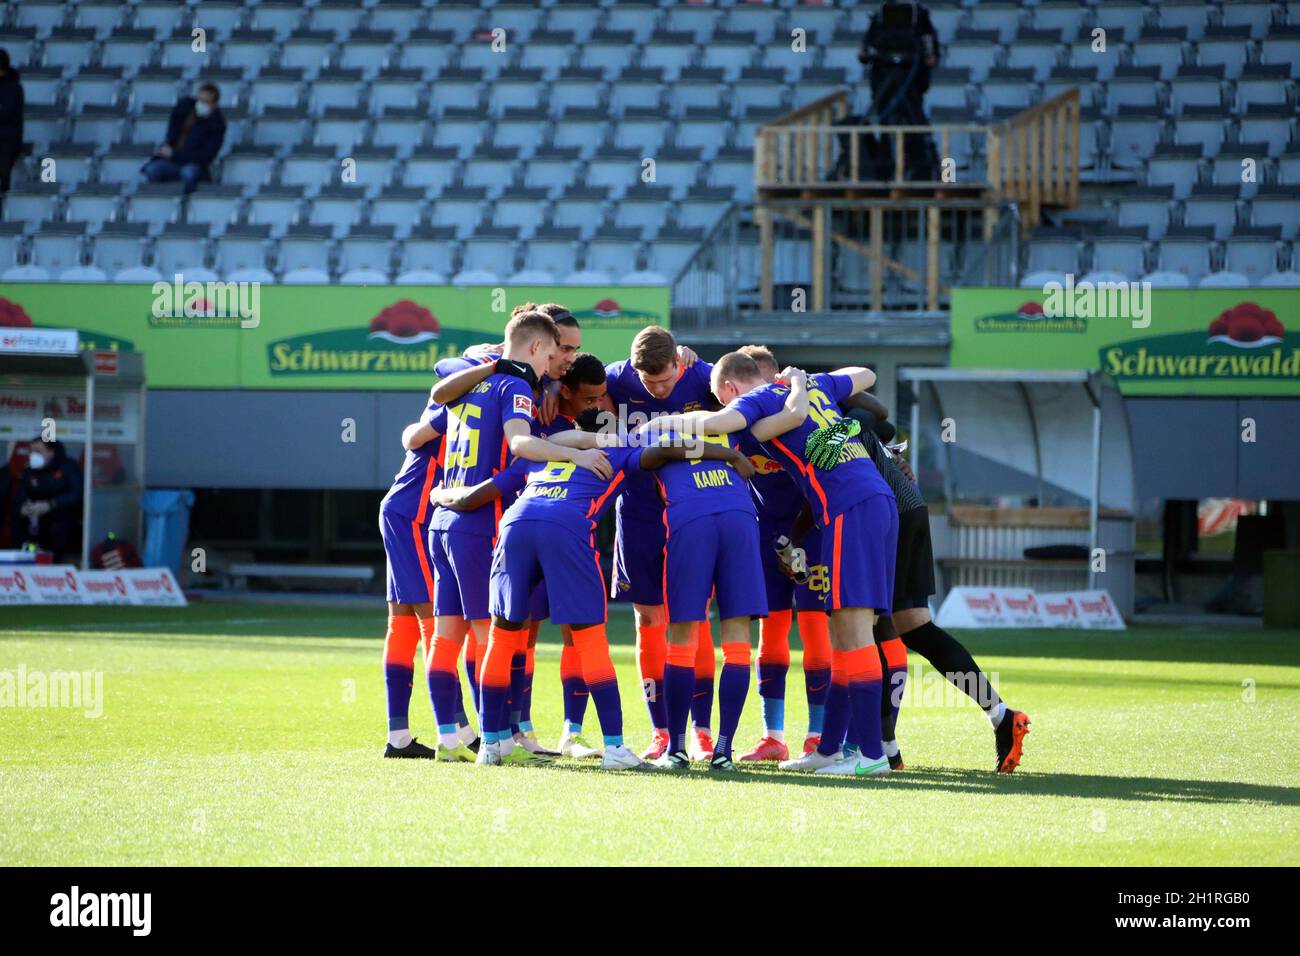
524	444
453	387
869	404
465	499
576	438
722	422
791	415
657	455
418	433
863	378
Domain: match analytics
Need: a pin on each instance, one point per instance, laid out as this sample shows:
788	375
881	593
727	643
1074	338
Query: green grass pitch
252	734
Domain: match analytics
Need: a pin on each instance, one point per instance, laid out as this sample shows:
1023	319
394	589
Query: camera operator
900	48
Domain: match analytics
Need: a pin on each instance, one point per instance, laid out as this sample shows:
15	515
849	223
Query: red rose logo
1030	310
13	315
1247	326
606	309
405	322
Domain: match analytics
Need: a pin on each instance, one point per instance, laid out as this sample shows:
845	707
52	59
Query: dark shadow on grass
1145	643
1229	681
981	783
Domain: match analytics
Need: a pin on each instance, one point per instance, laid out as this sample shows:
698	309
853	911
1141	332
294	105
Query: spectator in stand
11	120
47	506
195	133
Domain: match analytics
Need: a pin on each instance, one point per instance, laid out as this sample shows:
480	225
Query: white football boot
856	765
619	758
810	761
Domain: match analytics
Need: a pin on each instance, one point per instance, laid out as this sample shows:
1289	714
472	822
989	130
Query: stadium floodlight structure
46	370
1053	437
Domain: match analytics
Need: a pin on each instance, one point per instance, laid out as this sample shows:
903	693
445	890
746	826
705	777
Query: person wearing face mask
47	505
195	133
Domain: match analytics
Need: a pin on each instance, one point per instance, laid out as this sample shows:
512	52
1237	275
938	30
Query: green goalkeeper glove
826	444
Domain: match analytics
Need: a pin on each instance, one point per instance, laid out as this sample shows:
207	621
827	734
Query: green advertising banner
239	335
1152	341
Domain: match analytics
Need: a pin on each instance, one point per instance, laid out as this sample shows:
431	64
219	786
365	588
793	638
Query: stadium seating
457	143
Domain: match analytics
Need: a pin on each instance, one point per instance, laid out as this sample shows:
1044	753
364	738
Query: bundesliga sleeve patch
524	404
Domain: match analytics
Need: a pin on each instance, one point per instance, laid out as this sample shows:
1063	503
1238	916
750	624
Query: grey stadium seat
366	250
515	88
1276	205
1120	251
56	246
276	207
1176	166
520	209
1134	86
461	208
491	168
1162	47
1054	250
552	249
552	169
127	48
31	202
214	205
155	205
338	207
431	169
1224	46
309	166
1228	167
613	251
1263	83
1196	86
427	50
549	51
616	169
119	247
644	208
1252	252
243	248
581	207
93	203
517	130
1274	125
673	248
1212	206
975	50
1186	251
181	248
490	249
427	251
1147	208
1201	125
399	207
